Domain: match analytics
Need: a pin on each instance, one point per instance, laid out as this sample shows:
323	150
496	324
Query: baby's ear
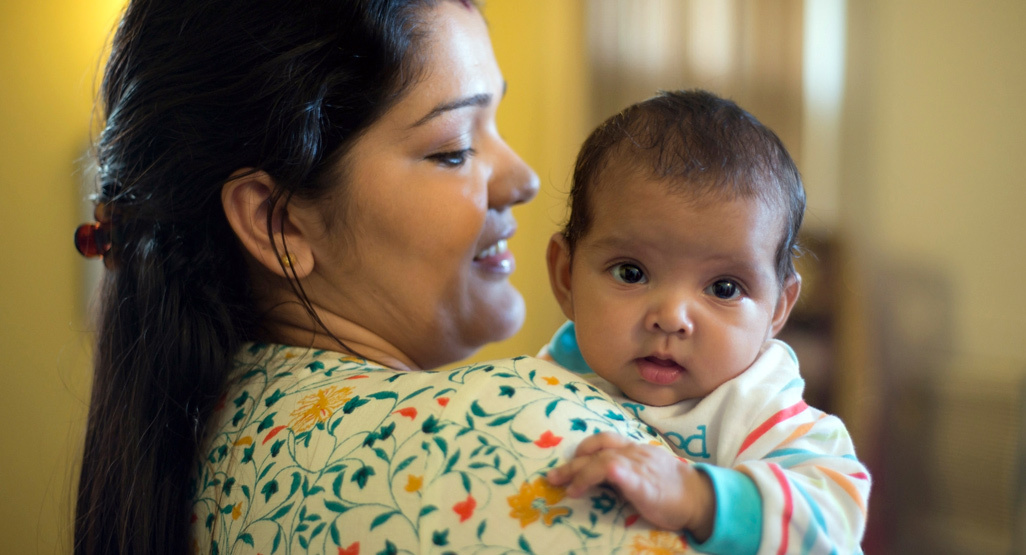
558	258
788	296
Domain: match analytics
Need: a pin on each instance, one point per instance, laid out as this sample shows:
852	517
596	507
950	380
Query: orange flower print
536	500
413	483
658	542
465	508
551	380
548	439
319	407
237	511
353	549
408	412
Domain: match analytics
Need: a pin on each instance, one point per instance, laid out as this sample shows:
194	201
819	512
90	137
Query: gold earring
286	260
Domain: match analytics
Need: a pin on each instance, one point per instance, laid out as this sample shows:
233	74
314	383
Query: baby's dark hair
701	146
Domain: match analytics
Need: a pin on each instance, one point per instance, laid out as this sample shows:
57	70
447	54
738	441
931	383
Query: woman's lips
659	371
496	258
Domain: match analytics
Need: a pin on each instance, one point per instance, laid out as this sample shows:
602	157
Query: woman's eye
628	273
725	289
452	159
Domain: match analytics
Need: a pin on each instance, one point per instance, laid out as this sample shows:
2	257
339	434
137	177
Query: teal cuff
737	525
564	350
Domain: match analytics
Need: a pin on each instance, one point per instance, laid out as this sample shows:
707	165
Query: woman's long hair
194	91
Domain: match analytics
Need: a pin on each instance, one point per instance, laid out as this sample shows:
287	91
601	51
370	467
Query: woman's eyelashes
453	158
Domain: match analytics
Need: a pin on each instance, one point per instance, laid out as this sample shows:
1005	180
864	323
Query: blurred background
906	118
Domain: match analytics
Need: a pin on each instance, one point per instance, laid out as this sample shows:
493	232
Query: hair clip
93	240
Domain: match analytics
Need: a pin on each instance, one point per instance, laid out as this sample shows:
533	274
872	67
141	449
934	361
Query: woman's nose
671	316
513	182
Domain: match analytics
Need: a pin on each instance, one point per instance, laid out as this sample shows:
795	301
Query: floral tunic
315	452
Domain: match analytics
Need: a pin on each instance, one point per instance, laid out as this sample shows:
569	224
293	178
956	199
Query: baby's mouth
659	371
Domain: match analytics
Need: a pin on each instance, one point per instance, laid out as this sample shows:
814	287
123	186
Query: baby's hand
668	492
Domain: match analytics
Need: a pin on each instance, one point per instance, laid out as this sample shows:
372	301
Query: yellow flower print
535	500
658	542
413	483
319	407
237	511
551	380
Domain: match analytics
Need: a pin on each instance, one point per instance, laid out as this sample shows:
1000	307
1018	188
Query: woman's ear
282	249
788	297
558	258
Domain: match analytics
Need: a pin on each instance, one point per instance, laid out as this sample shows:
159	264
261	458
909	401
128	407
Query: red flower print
630	520
443	401
548	439
274	431
465	508
408	412
353	549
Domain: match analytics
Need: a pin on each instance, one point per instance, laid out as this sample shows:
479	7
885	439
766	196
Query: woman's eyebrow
482	99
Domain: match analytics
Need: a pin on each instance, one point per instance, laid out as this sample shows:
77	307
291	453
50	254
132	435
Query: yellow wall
49	51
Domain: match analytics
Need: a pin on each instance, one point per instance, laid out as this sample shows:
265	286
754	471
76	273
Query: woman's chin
504	318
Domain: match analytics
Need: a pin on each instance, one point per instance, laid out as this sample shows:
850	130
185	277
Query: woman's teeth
497	248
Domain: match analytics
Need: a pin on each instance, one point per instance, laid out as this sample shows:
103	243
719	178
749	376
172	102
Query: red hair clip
93	240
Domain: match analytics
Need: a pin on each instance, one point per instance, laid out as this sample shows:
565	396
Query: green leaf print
430	425
333	531
507	391
382	395
267	423
477	410
269	489
501	420
282	512
551	407
481	530
335	506
315	366
241	398
361	476
382	518
578	425
440	537
273	398
402	466
353	404
524	545
246	539
389	549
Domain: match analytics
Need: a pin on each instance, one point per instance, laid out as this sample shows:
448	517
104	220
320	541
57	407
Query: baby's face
672	297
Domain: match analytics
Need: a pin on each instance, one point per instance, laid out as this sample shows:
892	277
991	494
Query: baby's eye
725	289
628	273
453	159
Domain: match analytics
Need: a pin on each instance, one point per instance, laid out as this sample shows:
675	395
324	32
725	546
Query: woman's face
418	267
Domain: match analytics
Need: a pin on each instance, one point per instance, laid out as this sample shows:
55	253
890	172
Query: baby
676	272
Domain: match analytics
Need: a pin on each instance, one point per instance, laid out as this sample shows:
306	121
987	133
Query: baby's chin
654	395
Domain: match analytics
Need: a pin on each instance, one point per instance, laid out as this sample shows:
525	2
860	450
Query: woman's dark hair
700	145
193	92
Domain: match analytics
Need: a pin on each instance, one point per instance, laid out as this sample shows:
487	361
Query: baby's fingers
582	473
600	442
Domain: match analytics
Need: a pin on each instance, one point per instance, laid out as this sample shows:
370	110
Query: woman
328	177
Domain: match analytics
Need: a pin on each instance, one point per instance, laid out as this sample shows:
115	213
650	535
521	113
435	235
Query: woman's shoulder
455	459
